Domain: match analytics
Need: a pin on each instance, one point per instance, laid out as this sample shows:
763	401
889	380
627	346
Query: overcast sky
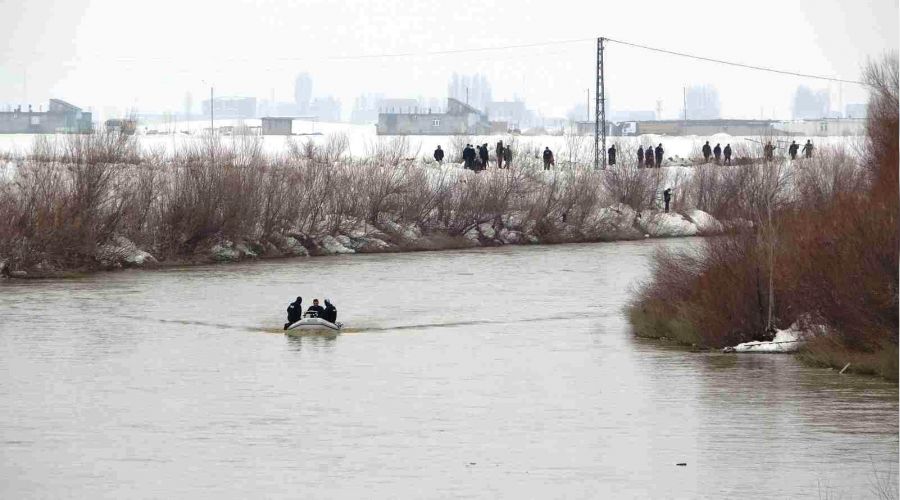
147	54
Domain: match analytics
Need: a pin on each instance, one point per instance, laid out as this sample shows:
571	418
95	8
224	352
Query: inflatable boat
311	324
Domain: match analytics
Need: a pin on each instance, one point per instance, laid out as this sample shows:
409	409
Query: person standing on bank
727	152
792	150
706	152
808	149
667	197
717	152
648	156
439	155
611	152
659	155
507	155
548	158
640	155
499	153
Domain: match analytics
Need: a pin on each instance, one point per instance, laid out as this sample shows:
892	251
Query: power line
739	65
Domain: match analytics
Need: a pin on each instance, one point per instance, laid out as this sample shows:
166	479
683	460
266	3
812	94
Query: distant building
61	117
513	112
823	127
681	127
459	119
231	107
277	125
121	126
327	109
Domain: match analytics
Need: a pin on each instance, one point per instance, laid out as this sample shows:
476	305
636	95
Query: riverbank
98	202
821	252
615	223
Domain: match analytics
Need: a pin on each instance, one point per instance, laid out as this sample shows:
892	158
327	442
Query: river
505	372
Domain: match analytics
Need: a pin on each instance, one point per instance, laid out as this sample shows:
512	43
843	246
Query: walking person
439	155
808	149
640	155
667	197
499	153
611	152
717	152
706	152
727	152
769	151
659	155
792	150
548	158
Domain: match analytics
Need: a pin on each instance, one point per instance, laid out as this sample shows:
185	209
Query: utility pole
684	97
588	102
599	111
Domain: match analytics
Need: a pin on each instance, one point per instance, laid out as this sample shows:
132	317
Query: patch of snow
487	230
706	224
332	246
666	224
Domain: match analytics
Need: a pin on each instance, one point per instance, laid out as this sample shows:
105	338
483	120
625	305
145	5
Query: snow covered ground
363	140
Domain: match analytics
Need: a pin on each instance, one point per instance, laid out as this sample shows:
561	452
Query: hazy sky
148	54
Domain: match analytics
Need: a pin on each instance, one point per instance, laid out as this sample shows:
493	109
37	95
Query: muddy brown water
506	372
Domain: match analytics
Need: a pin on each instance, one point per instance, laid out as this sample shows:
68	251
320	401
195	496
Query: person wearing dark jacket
792	150
469	157
667	197
659	155
706	152
717	152
330	313
640	156
548	158
808	149
484	155
439	154
648	157
612	154
769	151
727	152
315	310
499	153
507	155
294	312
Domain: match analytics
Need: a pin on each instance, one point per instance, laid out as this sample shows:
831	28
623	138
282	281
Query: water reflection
503	373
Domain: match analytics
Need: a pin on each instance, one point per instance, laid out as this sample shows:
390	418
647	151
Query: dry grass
824	242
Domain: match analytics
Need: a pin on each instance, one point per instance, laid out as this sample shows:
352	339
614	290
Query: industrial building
60	117
459	119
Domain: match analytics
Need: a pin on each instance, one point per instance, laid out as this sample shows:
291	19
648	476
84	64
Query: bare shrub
635	187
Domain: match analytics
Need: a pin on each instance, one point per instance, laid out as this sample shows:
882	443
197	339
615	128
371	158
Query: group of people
650	157
768	151
717	152
295	311
478	157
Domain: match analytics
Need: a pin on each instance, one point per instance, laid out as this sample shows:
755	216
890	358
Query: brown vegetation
823	246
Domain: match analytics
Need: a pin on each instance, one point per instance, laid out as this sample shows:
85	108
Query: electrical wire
731	63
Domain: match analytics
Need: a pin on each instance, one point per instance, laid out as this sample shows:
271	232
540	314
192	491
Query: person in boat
294	312
330	313
315	310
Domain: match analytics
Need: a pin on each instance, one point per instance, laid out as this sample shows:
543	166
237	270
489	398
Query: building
704	127
231	107
513	112
277	125
459	119
823	127
121	126
60	117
